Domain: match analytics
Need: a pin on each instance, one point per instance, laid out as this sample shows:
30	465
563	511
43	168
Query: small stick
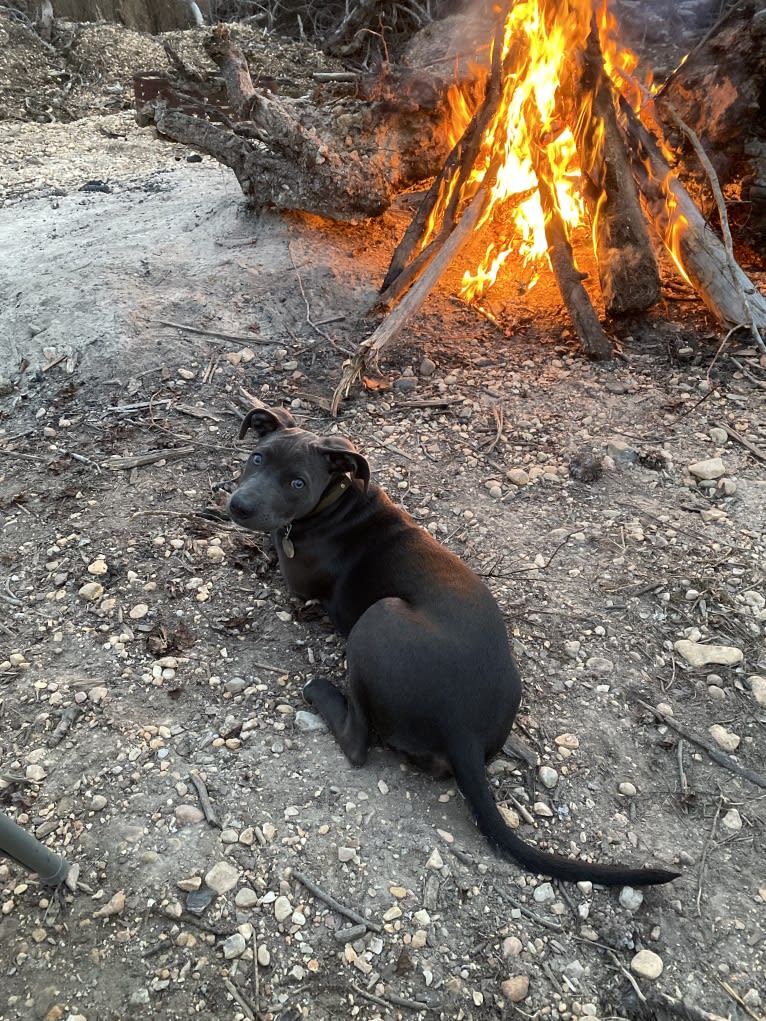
24	457
212	333
204	800
235	994
755	451
628	976
681	771
715	753
683	1008
392	325
735	996
334	76
330	901
753	379
141	460
553	926
436	402
703	858
256	972
392	1000
123	409
68	717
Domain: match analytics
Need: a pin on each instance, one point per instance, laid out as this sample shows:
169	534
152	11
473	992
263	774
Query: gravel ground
151	662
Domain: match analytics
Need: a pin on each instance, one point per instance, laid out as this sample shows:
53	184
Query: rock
98	567
309	722
235	685
567	741
571	649
712	468
701	655
283	909
346	853
406	384
91	591
188	814
515	988
718	435
627	789
732	821
246	898
517	476
140	998
727	486
233	946
544	893
548	777
724	738
435	860
512	946
138	612
599	665
427	367
758	688
222	877
98	803
621	452
631	899
647	964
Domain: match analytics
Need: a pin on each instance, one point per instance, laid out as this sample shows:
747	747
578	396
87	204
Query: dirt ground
145	647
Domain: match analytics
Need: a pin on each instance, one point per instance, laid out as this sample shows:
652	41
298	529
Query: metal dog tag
287	544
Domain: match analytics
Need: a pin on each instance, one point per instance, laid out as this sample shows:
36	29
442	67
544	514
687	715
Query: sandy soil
168	643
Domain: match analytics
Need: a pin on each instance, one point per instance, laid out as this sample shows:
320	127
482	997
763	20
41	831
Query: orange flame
540	38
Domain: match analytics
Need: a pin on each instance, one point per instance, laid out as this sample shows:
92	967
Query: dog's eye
297	483
256	458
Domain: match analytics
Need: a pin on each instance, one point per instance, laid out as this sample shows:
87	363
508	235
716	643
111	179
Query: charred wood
627	269
594	341
691	241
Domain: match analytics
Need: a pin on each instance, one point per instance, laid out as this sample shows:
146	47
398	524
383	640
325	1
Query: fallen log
344	160
627	269
696	249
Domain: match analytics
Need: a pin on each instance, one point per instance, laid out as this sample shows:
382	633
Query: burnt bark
627	269
345	159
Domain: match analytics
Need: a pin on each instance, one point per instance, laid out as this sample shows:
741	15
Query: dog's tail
468	767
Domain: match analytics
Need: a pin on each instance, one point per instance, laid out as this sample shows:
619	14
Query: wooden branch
716	754
446	189
723	217
695	247
594	341
627	269
232	64
298	172
369	349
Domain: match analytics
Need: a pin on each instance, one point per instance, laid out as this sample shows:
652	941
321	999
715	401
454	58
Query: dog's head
289	471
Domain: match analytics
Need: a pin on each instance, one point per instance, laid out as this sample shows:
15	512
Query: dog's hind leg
345	719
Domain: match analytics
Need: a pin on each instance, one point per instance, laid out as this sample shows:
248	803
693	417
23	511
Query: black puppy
429	667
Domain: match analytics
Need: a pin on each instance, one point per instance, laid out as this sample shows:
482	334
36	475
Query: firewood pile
555	133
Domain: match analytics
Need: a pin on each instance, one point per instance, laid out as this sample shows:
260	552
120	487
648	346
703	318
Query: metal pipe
26	850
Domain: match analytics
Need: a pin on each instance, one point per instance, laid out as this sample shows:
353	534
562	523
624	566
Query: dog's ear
266	420
342	456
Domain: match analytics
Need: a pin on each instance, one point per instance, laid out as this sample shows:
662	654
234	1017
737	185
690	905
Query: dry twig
331	902
204	800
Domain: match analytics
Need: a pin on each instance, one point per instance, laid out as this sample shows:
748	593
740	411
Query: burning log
627	269
696	249
569	279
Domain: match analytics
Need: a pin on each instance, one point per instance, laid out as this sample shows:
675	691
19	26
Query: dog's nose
238	507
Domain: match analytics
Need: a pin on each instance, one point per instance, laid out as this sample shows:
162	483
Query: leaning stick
695	247
370	348
569	279
715	753
723	217
627	269
405	268
330	901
